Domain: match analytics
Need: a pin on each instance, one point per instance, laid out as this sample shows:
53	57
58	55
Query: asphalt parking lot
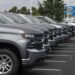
60	62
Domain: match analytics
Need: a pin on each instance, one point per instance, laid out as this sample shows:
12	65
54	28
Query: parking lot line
59	55
40	69
65	48
63	51
55	61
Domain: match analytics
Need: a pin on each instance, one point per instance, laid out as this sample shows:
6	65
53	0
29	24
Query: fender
14	44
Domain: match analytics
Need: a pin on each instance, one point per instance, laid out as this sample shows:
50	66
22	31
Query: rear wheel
9	62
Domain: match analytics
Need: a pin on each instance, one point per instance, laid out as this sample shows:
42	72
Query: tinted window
14	18
32	19
42	20
4	20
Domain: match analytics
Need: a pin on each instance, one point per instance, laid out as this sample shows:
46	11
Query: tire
12	60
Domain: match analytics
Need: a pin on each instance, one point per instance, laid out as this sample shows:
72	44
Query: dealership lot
36	39
60	62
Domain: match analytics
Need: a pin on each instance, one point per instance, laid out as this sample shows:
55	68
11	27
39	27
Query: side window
23	21
2	21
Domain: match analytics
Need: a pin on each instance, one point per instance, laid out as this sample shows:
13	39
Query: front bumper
73	32
65	36
34	55
60	38
57	39
52	42
70	34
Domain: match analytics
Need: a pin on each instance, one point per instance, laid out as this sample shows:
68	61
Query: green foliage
35	11
28	11
50	8
22	10
53	9
13	9
41	10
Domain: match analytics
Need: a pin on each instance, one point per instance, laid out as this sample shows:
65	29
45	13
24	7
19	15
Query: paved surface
60	62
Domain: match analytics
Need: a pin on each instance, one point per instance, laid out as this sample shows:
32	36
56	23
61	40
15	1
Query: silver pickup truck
19	47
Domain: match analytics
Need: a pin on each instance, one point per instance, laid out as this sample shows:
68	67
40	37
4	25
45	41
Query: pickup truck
15	18
19	47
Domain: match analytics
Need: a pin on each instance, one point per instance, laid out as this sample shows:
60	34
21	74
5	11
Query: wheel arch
13	46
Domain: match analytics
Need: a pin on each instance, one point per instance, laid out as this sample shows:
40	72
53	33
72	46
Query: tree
28	11
59	11
41	10
23	10
53	9
13	9
34	11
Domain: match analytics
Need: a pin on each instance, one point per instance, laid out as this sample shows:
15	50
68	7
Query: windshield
21	18
51	20
42	20
15	18
4	20
32	19
24	18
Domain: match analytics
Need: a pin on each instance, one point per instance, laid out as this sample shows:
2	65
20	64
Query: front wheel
9	63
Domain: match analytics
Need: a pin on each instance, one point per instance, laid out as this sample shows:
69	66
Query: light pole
67	9
31	7
68	14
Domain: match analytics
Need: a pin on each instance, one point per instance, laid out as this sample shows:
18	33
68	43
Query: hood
48	26
64	25
56	25
71	24
10	30
26	29
37	26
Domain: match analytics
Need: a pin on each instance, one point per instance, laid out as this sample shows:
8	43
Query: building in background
69	10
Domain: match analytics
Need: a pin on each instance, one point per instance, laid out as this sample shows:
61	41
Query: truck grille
36	43
46	37
64	31
52	34
59	31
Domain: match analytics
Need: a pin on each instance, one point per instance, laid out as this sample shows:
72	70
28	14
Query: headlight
48	36
62	31
27	35
66	30
53	33
57	31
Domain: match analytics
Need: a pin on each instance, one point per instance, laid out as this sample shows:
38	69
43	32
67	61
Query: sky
7	4
70	2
